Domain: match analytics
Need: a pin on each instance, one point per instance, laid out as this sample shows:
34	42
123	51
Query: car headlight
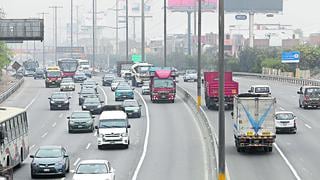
136	110
60	163
84	107
66	101
124	134
52	102
71	122
99	106
89	122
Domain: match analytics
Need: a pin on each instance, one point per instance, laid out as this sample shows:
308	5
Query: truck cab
263	90
53	77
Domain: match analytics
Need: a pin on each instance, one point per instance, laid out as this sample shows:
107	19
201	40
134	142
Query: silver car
94	170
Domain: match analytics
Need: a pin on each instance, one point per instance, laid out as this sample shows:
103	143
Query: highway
295	155
174	149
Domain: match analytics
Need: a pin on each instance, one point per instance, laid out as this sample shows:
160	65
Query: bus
83	64
68	66
13	136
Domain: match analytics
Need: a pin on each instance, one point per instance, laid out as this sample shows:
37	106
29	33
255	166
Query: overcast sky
300	14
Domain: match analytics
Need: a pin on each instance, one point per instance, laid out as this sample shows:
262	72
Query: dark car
86	92
59	100
39	74
132	108
80	121
107	79
89	84
92	104
50	160
79	77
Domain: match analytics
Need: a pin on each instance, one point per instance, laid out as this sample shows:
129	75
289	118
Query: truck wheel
172	101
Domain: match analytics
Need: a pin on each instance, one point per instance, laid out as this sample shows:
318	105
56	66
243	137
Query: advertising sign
258	6
290	57
190	5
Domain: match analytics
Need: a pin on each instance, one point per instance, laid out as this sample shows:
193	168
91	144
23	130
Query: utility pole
55	30
165	32
221	153
43	51
251	21
71	25
77	17
117	27
199	57
93	32
142	31
127	31
189	32
134	24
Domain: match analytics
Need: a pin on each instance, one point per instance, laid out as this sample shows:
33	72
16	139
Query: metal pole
251	19
71	24
56	35
134	29
127	31
195	24
165	33
189	32
77	25
93	33
199	57
221	158
142	31
43	52
34	50
117	27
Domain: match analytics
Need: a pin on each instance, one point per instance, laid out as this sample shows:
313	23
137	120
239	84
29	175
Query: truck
253	122
211	89
162	85
53	76
140	73
123	68
30	67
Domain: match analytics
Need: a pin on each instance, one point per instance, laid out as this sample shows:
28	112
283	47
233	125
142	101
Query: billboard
189	5
290	57
258	6
21	29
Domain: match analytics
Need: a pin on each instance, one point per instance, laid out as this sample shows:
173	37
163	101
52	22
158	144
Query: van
263	90
113	129
309	96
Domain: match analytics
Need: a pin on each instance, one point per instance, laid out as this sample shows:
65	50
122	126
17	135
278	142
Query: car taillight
306	98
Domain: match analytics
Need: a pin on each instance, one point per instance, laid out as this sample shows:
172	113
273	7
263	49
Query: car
80	121
67	86
79	77
190	75
309	96
145	88
123	92
113	129
94	170
132	108
107	79
50	160
67	80
90	84
88	73
92	104
262	90
29	73
39	74
115	83
59	100
86	92
285	122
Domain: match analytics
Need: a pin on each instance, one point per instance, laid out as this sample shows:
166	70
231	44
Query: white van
260	90
113	129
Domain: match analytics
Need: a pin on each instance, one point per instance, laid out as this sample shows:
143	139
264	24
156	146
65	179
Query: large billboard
256	6
21	29
189	5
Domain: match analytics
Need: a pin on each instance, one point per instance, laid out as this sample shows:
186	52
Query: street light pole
199	57
93	33
127	31
55	31
142	31
43	51
165	32
71	24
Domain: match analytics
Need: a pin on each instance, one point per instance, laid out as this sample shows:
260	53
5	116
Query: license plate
284	124
163	96
46	170
129	113
256	141
124	96
59	105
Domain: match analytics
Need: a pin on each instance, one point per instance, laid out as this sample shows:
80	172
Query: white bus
83	64
14	141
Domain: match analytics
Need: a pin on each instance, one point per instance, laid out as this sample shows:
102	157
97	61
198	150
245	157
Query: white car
145	89
191	75
263	90
94	170
285	122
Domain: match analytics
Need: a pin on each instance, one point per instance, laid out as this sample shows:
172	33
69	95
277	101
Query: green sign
136	58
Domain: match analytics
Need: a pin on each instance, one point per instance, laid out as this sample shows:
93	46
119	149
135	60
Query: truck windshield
144	69
313	92
262	90
163	83
53	74
113	123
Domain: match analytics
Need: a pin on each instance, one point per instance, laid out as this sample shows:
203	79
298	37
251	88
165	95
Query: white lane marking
282	109
32	146
44	135
31	102
308	126
54	124
60	115
88	146
105	95
287	162
62	178
76	162
95	133
146	140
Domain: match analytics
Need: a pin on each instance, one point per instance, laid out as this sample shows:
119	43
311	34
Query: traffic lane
175	147
239	163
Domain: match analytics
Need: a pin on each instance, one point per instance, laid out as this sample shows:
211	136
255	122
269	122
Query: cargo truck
211	89
253	122
123	68
162	85
140	73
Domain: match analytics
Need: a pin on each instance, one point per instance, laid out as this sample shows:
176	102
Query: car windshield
113	123
262	90
130	103
80	115
49	153
123	87
89	83
284	116
163	83
58	96
92	169
108	77
53	74
91	101
313	92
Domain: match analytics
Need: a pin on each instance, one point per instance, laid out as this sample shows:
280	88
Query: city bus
13	136
68	66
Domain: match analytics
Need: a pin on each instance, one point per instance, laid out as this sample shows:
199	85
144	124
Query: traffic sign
290	57
241	17
16	65
136	58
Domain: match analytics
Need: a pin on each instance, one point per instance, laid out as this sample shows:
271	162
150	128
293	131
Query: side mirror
299	92
129	126
31	156
66	155
232	114
68	117
49	98
96	127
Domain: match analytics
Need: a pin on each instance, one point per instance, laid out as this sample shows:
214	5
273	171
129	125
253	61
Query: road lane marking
95	133
308	126
76	162
44	135
54	124
32	146
282	109
105	95
60	115
88	146
32	101
146	140
287	162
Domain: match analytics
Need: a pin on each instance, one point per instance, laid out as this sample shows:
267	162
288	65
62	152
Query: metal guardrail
11	90
207	131
280	78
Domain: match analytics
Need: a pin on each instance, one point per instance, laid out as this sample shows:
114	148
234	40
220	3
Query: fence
11	90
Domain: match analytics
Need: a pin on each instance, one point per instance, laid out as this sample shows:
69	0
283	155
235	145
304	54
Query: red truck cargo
162	86
211	89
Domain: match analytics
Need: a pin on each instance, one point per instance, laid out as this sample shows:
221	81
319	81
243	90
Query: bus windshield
68	65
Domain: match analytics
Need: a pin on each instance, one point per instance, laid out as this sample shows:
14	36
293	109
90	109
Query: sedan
145	89
132	108
59	100
94	170
50	160
107	79
285	122
89	84
123	92
80	121
85	93
79	77
67	86
93	105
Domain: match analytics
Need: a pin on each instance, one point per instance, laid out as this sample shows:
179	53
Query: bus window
8	131
16	126
13	132
21	127
25	123
2	133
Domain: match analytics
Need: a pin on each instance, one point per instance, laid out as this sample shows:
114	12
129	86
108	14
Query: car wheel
68	169
99	146
51	108
33	176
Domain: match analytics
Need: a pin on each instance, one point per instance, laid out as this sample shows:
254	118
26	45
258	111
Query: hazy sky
300	14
